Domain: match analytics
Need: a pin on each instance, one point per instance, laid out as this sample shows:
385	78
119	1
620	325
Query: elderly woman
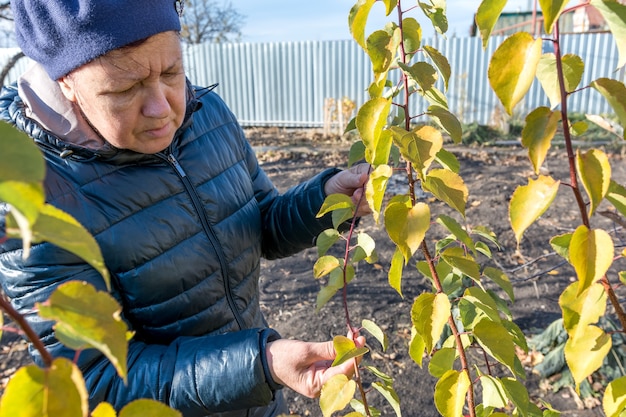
160	173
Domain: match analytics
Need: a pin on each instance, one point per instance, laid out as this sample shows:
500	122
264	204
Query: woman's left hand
351	182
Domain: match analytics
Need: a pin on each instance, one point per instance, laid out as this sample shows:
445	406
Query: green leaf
494	394
326	240
345	350
416	347
357	20
518	394
395	271
357	152
615	15
20	159
424	74
456	258
448	161
551	10
537	134
144	407
57	391
448	187
447	121
580	311
496	341
375	189
324	265
381	48
62	230
377	332
442	361
407	226
586	353
325	294
429	315
390	395
457	230
487	16
87	318
530	201
615	93
617	196
547	74
591	255
419	146
336	394
412	33
512	68
364	249
561	243
450	392
614	400
370	122
500	278
595	173
441	62
386	379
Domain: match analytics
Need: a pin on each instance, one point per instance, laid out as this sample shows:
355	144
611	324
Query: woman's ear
67	88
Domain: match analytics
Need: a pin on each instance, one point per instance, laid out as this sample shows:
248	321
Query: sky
301	20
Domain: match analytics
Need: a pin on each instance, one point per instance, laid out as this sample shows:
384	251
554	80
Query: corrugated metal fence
287	83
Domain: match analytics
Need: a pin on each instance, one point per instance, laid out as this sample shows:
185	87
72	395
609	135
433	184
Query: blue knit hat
62	35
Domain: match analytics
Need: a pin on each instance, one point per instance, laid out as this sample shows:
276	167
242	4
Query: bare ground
288	289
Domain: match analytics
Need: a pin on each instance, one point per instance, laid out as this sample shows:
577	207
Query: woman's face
135	96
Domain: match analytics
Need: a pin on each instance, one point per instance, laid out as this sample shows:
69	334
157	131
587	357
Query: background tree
207	21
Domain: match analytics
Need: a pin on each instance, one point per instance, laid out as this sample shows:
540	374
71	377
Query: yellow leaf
614	92
591	255
595	174
407	226
87	318
144	407
529	202
395	271
614	401
450	393
573	68
336	394
487	16
370	122
429	315
357	20
551	11
104	410
419	146
448	187
615	15
512	68
585	354
375	189
325	265
537	135
345	349
57	391
580	311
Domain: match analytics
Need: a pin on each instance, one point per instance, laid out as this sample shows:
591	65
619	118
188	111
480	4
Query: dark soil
288	289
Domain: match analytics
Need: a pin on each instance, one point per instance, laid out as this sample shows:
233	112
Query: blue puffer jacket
182	233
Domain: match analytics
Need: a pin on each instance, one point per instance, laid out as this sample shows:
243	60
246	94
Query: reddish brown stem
573	173
455	332
28	331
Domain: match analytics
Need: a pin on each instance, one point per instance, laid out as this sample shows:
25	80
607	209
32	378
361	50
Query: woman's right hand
306	366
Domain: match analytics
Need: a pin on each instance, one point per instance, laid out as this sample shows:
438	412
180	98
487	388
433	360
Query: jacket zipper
208	229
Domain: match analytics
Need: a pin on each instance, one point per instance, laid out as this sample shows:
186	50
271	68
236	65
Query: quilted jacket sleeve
196	375
289	220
